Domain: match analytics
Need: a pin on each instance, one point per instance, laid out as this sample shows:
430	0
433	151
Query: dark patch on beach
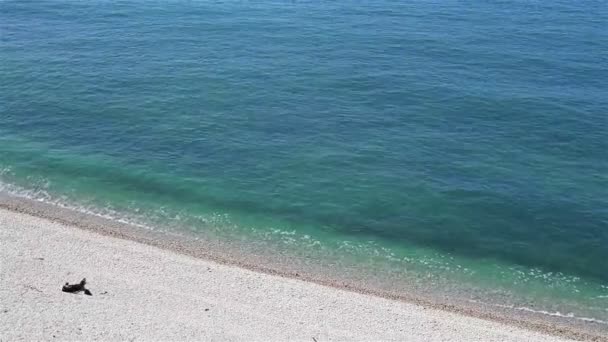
75	288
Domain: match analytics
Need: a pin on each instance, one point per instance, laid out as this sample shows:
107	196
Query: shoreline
209	251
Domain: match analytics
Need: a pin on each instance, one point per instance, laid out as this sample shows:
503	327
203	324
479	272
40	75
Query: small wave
40	194
408	263
544	312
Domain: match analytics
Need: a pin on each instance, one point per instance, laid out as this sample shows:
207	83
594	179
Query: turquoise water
468	143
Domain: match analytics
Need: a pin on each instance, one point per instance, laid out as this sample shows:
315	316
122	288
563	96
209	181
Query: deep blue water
420	130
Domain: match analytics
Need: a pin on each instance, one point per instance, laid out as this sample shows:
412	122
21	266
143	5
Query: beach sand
142	292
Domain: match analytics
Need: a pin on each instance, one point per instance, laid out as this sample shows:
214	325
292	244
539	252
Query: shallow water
465	144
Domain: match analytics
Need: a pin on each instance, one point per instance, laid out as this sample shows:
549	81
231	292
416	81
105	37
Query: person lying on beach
75	288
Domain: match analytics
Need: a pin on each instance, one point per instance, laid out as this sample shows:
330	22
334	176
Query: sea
446	145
